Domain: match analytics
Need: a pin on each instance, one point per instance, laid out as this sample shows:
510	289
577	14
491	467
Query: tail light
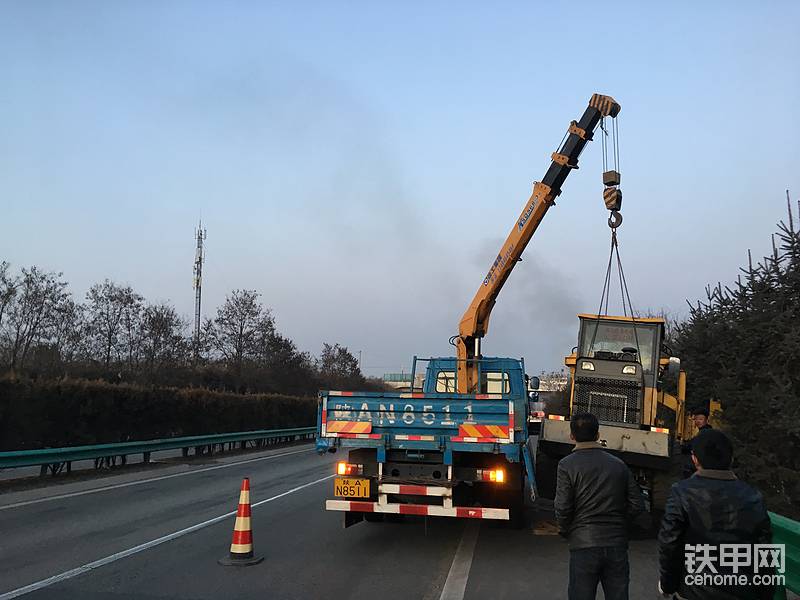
343	468
493	475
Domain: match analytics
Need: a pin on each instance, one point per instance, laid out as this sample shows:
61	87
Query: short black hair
584	427
713	449
702	410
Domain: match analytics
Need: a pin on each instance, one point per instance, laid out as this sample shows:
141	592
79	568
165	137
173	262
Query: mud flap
352	517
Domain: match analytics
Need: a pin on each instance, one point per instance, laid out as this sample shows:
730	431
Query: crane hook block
611	178
615	219
612	196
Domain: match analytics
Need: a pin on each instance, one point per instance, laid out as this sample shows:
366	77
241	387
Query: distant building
402	381
552	382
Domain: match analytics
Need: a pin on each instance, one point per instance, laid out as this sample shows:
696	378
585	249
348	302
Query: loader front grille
611	401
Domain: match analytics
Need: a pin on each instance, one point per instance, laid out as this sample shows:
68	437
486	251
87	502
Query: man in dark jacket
700	420
596	496
708	517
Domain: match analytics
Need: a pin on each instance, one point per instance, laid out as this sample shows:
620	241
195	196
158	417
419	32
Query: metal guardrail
786	531
58	459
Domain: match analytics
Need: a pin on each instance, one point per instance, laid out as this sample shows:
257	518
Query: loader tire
659	492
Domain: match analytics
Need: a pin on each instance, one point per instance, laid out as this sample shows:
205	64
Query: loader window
446	382
617	337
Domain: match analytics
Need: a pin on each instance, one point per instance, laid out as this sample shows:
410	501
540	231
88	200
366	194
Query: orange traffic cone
242	544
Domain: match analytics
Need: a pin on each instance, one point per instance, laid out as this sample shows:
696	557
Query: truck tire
513	498
545	472
516	507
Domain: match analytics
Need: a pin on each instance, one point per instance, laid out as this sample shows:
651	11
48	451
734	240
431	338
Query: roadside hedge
69	412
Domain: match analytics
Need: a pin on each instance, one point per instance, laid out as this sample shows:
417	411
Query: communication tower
200	235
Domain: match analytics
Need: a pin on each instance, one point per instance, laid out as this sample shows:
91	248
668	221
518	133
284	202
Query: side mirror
533	383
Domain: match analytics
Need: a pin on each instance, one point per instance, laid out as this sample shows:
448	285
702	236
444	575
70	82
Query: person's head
712	449
700	417
584	427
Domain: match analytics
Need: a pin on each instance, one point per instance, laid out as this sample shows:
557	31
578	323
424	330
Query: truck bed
397	420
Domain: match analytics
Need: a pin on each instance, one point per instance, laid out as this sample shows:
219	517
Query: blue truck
458	446
432	451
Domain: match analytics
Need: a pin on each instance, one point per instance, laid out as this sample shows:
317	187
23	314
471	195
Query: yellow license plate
351	487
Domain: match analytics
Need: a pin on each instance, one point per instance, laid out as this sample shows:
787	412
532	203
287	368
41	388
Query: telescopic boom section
475	322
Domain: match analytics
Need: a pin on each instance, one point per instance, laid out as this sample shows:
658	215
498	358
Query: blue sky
360	163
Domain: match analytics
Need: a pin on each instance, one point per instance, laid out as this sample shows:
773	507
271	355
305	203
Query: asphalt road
158	533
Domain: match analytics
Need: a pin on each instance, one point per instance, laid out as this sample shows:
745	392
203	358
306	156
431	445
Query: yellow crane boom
475	322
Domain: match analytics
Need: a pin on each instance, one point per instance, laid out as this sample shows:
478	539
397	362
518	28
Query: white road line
150	480
141	547
456	583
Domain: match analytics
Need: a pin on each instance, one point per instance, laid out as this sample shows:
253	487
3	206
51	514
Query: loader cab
616	361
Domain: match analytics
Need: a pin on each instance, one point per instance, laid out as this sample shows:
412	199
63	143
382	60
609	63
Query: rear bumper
436	508
466	512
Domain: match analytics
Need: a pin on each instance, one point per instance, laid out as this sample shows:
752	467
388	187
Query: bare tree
8	288
132	305
112	312
338	366
33	311
241	329
68	331
163	336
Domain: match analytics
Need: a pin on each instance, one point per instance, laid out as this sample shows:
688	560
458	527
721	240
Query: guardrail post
146	458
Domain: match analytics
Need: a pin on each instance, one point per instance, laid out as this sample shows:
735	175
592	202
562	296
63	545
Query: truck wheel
514	500
545	472
516	508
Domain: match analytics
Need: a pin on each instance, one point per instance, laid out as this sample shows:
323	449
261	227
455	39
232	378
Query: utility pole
200	235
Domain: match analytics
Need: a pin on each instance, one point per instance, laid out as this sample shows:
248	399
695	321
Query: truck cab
497	376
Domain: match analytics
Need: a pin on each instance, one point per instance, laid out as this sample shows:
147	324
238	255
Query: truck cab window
495	383
446	382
